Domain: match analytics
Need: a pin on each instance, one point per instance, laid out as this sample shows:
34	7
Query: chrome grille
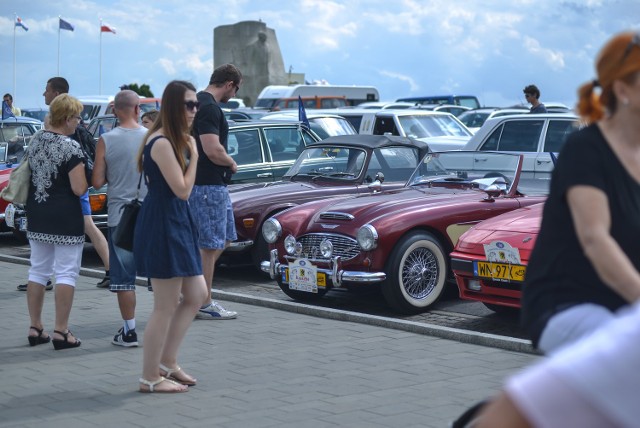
346	248
333	215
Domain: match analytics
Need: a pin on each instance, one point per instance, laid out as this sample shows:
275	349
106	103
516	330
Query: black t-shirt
54	214
559	274
209	120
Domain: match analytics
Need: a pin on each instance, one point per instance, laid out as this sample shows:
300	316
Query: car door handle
480	159
540	162
266	174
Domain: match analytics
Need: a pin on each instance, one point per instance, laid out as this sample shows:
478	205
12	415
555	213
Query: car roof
21	119
293	115
366	141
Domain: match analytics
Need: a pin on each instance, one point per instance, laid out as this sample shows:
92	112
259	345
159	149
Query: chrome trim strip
239	245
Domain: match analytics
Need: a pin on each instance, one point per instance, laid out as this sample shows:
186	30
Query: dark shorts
212	211
122	267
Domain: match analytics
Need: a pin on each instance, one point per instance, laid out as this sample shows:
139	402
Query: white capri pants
61	261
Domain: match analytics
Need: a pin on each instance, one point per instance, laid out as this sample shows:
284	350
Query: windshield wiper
335	174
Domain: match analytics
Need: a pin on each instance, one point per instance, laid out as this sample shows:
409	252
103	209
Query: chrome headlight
290	245
326	248
367	237
271	230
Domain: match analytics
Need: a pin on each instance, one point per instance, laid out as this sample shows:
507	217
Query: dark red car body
415	229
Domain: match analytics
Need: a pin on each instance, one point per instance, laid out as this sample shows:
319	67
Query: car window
473	120
244	146
515	136
99	127
3	152
420	126
335	161
396	163
284	143
557	132
385	125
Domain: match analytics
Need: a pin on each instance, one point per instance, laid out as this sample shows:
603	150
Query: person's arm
180	183
501	412
99	175
592	221
78	180
215	151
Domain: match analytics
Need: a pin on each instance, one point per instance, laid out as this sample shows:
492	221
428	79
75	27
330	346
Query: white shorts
61	261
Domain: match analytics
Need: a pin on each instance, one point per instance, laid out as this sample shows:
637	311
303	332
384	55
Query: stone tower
253	48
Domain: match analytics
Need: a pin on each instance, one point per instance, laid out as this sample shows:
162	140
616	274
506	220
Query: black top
559	274
209	120
54	214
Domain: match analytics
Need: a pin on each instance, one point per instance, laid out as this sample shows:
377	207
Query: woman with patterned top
55	226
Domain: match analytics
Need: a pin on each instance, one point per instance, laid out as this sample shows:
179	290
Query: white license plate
303	276
22	226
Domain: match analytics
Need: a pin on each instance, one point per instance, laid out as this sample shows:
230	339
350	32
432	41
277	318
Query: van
470	101
353	95
94	105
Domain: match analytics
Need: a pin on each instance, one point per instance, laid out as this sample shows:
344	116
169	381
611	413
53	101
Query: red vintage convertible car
399	239
342	165
490	259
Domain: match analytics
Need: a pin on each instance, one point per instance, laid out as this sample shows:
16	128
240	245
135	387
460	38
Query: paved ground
278	365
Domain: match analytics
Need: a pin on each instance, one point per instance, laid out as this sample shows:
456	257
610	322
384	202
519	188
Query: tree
143	90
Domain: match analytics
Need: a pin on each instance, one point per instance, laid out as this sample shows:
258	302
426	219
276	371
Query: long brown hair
173	121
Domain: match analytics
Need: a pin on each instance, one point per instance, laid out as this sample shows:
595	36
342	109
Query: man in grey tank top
115	164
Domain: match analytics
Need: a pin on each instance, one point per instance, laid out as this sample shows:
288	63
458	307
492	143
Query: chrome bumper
335	272
239	245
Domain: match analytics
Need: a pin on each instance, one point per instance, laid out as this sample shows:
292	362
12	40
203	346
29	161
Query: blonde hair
619	59
63	107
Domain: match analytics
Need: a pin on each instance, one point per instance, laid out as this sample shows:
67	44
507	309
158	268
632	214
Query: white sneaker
215	312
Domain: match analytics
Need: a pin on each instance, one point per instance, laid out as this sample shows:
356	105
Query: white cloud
413	86
554	58
167	65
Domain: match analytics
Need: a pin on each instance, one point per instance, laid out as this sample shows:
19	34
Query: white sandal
153	384
169	374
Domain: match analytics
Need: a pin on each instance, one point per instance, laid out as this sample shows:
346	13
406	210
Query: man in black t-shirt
209	198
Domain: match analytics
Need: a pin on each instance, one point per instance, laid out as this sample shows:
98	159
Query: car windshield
473	119
477	170
328	161
326	127
423	126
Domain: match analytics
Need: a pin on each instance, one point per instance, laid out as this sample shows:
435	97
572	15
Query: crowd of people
176	162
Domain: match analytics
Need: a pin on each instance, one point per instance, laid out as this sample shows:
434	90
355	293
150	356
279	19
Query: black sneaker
23	287
105	283
126	340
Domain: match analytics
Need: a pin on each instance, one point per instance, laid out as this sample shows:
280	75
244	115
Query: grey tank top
121	150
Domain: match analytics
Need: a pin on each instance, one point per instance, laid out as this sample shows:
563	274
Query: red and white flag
104	28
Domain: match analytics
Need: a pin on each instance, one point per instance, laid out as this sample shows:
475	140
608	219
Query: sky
491	49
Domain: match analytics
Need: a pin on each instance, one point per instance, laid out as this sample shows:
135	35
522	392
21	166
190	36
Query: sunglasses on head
191	105
635	41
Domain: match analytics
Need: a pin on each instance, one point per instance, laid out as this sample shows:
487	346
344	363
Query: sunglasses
192	105
635	41
237	87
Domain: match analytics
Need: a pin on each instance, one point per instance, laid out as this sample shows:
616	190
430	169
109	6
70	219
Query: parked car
490	259
470	101
15	134
447	108
399	239
442	131
36	113
381	105
244	113
342	165
324	124
474	119
264	150
534	135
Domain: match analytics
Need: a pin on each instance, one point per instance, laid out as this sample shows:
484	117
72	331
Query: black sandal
39	339
64	344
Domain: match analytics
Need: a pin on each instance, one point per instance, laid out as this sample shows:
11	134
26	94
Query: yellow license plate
321	278
499	271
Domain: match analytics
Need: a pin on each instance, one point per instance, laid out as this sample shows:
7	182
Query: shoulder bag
17	188
123	233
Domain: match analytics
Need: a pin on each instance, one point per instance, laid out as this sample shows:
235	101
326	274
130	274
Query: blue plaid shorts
213	214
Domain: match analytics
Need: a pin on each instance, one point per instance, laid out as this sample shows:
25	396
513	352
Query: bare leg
35	300
64	299
209	259
193	292
127	304
97	239
166	294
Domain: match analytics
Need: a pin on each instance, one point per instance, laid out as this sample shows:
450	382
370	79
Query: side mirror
12	159
376	186
380	177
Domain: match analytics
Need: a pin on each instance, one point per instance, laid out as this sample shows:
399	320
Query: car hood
519	228
439	144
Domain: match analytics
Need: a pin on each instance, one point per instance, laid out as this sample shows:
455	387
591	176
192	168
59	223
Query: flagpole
100	79
58	74
14	55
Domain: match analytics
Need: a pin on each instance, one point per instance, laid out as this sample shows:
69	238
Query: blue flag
302	114
6	111
64	25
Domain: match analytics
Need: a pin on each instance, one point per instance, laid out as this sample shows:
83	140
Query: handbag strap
138	190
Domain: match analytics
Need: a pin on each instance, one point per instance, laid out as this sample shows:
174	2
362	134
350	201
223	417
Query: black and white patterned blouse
54	214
